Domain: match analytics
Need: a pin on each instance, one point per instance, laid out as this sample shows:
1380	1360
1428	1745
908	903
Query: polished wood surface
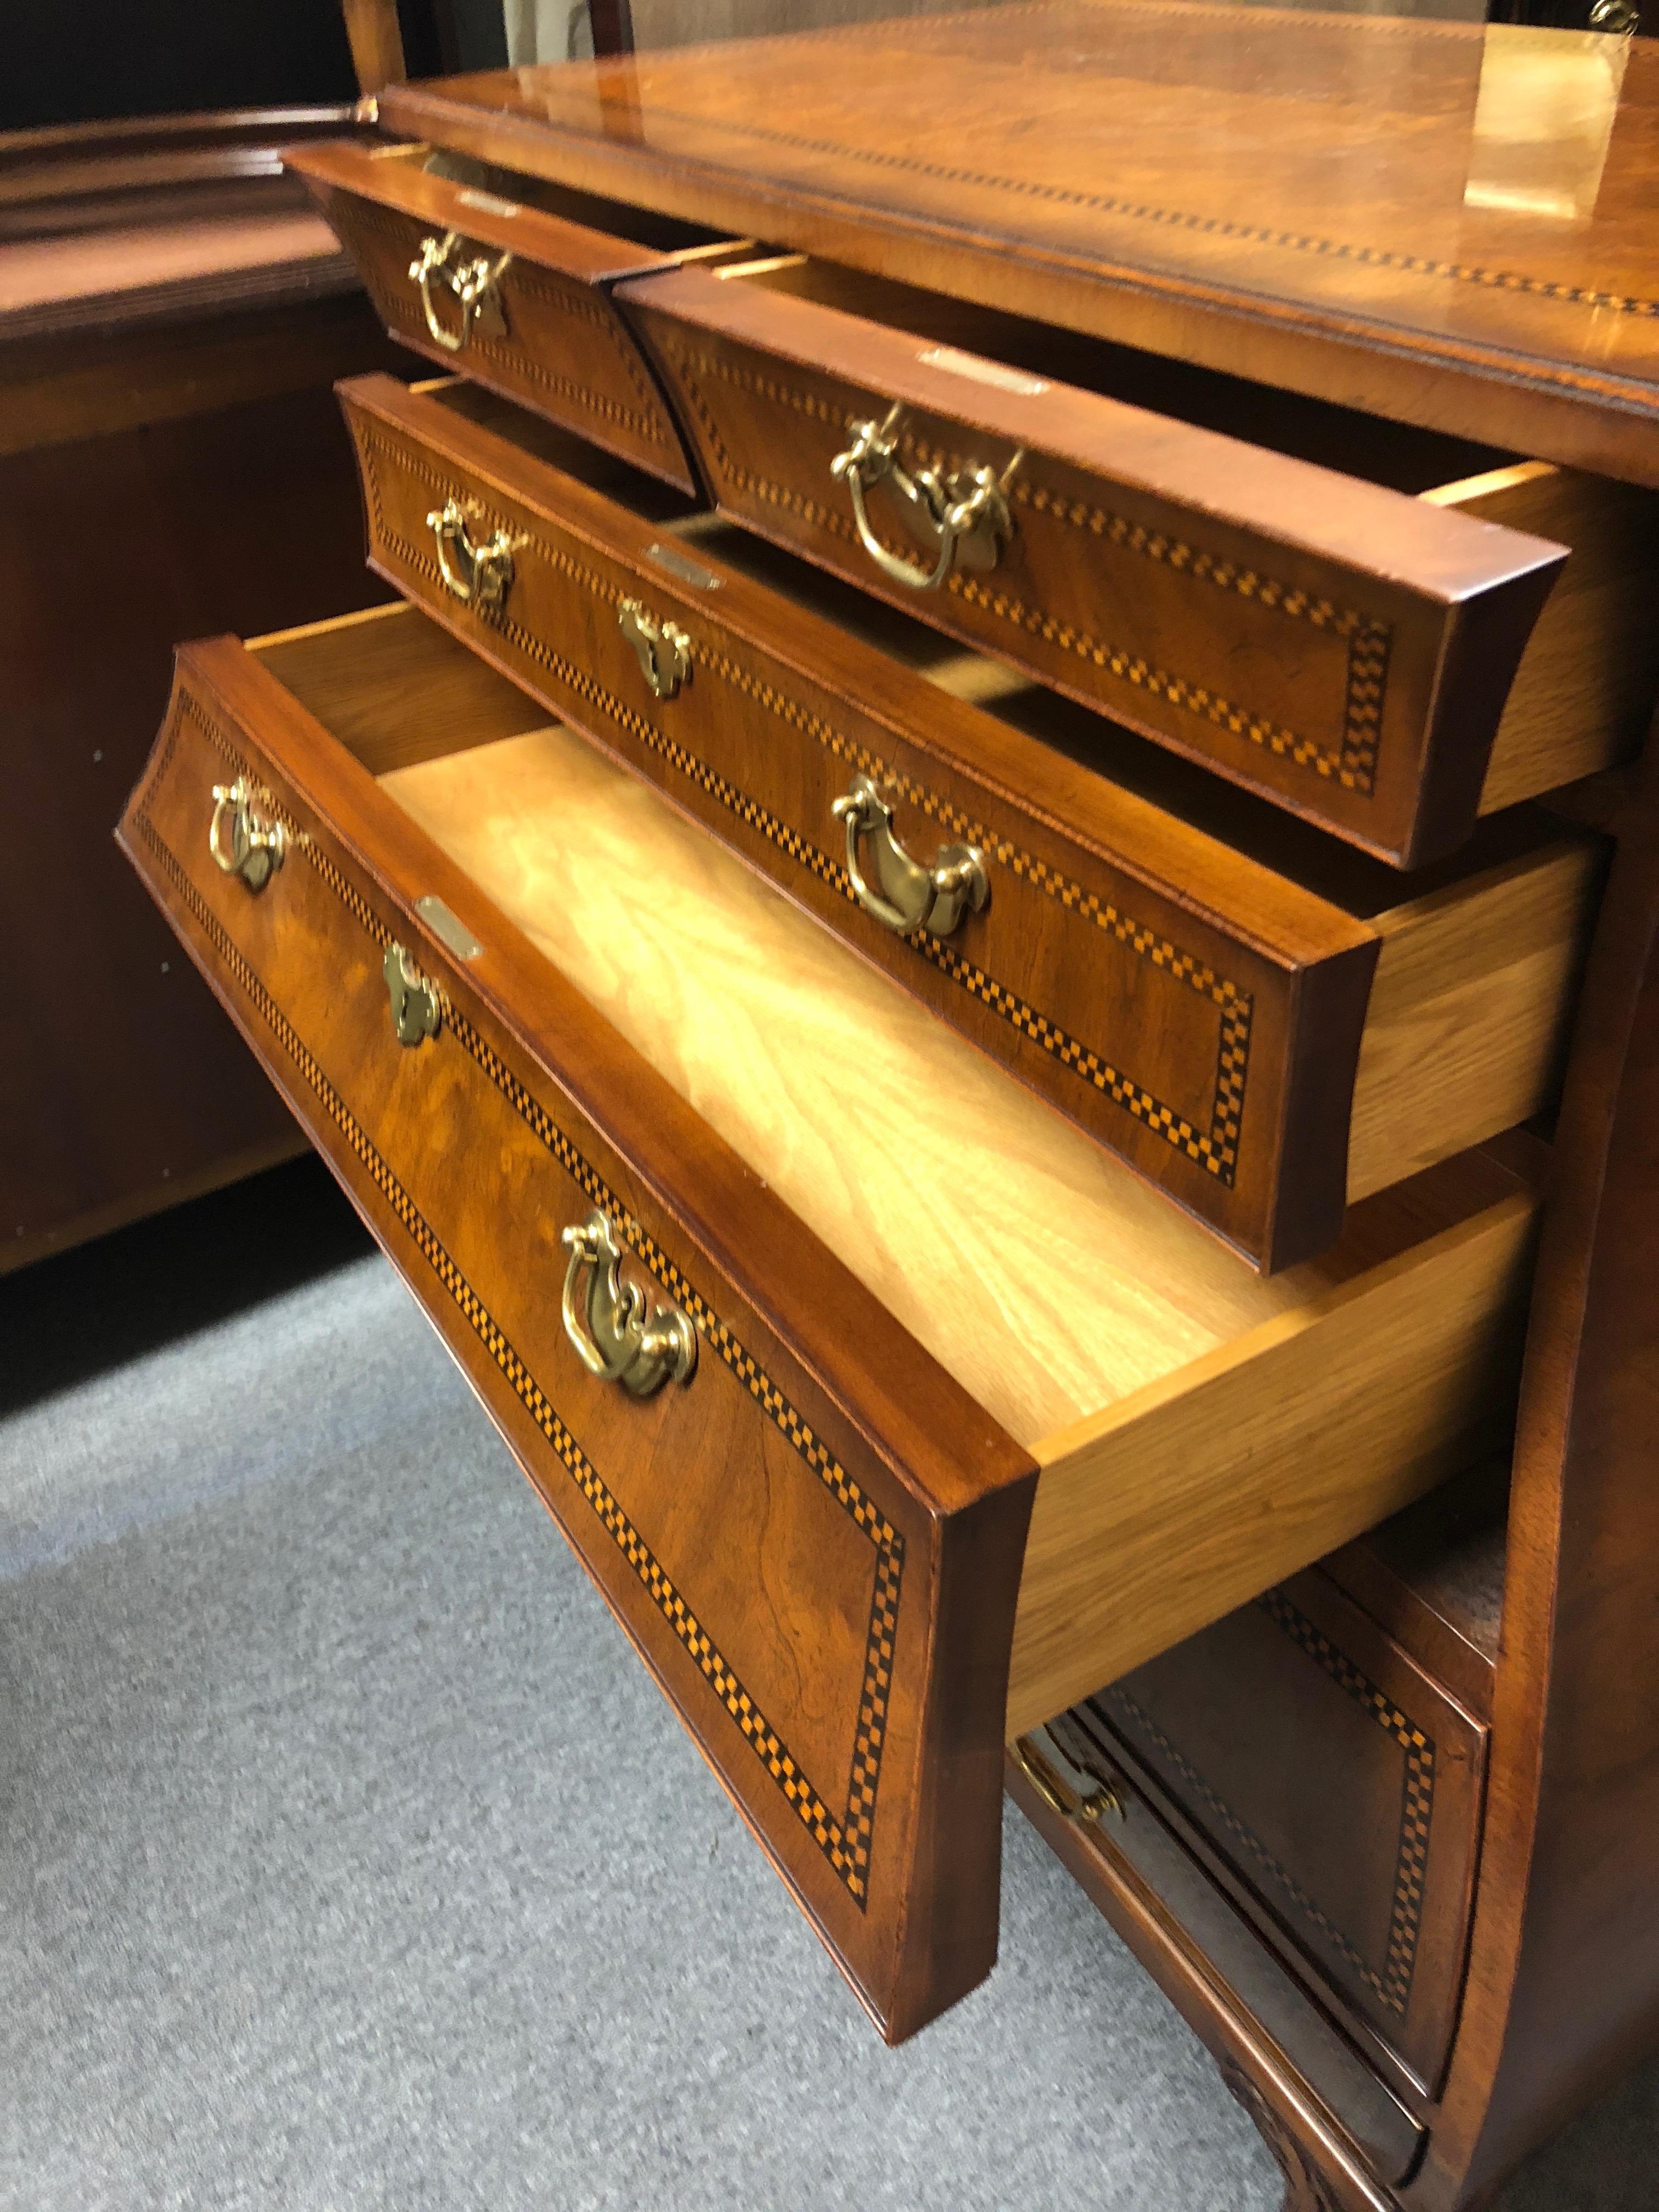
563	349
870	1132
1461	254
815	1542
1326	638
1194	1007
177	468
1363	1859
1173	1403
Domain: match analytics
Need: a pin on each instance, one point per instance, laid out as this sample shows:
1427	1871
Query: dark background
103	59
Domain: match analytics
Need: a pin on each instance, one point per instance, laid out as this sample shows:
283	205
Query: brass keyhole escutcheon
416	1008
663	649
240	838
617	1336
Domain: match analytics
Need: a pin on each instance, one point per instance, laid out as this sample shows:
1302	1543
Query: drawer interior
1076	1304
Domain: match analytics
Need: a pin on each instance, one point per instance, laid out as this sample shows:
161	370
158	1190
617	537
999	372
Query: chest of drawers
927	939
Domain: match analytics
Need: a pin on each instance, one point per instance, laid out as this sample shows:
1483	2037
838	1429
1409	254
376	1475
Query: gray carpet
348	1859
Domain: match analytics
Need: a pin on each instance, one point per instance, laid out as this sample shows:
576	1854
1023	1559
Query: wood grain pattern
1476	981
1320	637
1174	1401
1178	193
564	350
815	1542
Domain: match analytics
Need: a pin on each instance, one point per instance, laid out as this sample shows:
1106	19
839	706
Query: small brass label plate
446	929
681	565
487	204
983	372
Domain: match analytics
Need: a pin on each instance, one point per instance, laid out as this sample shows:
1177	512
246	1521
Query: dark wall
105	58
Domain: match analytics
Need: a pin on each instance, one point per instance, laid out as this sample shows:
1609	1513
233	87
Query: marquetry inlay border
1215	1149
1028	191
1351	764
846	1842
514	362
1391	1981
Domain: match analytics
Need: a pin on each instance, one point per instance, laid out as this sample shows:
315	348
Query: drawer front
1337	1791
1341	648
1219	1060
814	1540
544	330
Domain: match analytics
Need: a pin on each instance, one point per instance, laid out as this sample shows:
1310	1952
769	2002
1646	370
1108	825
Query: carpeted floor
348	1859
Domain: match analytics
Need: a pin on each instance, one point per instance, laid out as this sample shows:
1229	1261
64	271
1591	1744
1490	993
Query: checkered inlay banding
1351	762
1391	1981
1214	1146
847	1840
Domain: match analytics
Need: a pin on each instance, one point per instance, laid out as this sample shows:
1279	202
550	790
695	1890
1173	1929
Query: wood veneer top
1447	223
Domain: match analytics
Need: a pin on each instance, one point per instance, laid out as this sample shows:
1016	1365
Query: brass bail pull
243	842
662	649
962	519
616	1337
478	575
416	1006
472	285
1093	1794
910	896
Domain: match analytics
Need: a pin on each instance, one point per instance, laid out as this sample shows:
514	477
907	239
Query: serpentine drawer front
1267	1031
510	279
1313	631
795	1309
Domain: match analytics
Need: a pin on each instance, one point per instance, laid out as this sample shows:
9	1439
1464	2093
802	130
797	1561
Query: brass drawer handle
1103	1798
473	285
416	1008
962	519
615	1337
243	842
478	575
663	649
911	897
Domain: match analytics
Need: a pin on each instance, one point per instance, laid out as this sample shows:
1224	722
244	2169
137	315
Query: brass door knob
962	519
662	649
615	1335
416	1008
478	575
910	896
241	841
474	285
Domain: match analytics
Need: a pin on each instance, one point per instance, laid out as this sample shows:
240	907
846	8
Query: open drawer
794	1309
1267	1025
1338	611
511	277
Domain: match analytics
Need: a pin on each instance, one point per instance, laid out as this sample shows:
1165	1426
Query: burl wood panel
1373	210
1336	1789
1329	641
564	350
815	1542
